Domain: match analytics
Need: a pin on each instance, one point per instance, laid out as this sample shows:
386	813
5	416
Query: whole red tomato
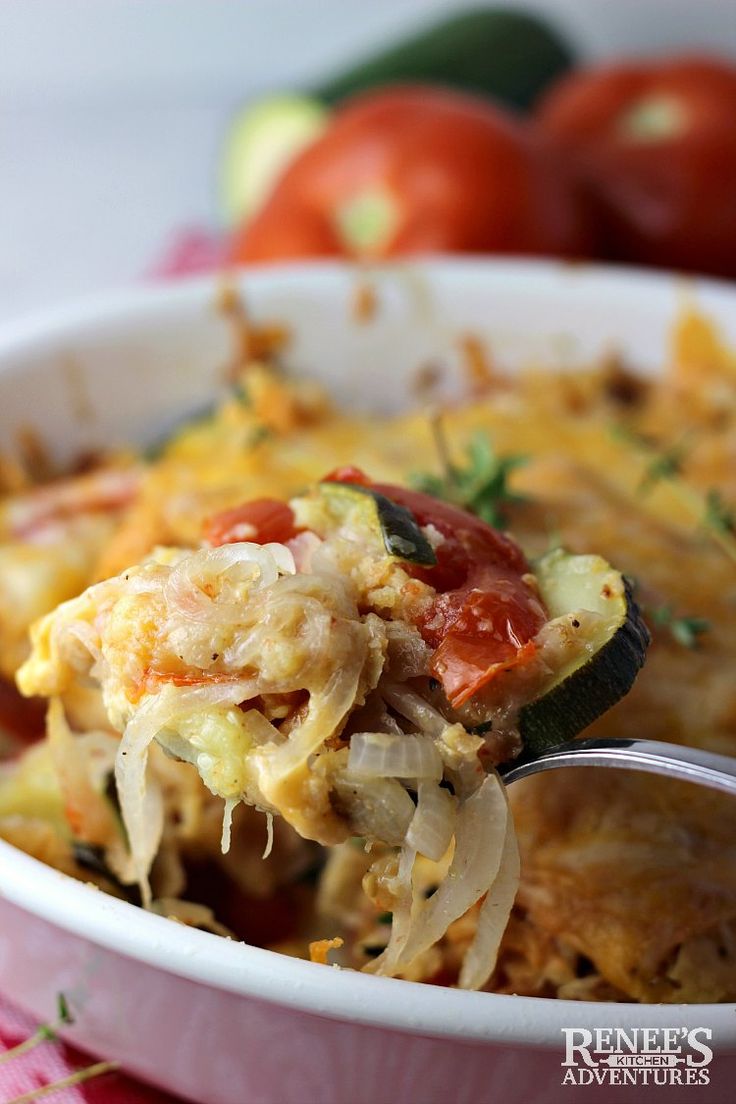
417	169
656	145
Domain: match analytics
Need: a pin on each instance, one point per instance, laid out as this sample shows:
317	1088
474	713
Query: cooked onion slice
402	890
378	808
480	958
385	755
481	827
239	568
140	804
433	823
411	705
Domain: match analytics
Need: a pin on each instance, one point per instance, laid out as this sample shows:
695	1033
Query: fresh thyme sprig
664	463
719	517
667	464
686	630
44	1033
49	1033
716	517
481	486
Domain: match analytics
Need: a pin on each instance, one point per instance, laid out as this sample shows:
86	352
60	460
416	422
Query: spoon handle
672	760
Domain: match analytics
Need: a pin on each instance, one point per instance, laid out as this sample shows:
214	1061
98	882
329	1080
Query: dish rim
148	298
253	972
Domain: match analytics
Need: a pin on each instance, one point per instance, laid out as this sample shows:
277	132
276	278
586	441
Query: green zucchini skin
606	677
508	55
402	537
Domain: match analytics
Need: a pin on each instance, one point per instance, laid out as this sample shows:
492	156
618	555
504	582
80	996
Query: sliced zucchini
262	139
402	537
596	679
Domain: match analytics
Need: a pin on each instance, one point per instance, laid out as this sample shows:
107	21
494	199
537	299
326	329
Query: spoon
671	760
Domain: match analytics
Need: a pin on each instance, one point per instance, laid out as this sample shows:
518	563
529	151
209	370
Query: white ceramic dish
221	1022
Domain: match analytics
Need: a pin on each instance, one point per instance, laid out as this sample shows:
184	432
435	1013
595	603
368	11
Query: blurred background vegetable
160	128
508	55
418	169
631	161
655	143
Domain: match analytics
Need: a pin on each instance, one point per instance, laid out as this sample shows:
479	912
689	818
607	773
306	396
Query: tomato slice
491	633
263	520
485	616
347	474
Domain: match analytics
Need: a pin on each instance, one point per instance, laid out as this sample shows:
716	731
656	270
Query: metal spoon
688	764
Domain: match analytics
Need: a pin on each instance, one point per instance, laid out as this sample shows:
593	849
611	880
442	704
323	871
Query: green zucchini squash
402	537
594	681
262	139
509	55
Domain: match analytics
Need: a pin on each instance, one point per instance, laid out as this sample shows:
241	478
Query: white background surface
112	111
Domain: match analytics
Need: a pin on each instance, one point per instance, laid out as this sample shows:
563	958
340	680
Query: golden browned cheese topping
628	885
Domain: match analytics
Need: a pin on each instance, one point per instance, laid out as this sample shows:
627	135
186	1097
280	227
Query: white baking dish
217	1021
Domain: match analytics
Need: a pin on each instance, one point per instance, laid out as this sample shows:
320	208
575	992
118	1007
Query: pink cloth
189	251
52	1061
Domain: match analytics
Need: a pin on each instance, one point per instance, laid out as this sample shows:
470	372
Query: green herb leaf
258	435
240	394
663	465
481	486
44	1033
627	435
62	1010
685	630
718	516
